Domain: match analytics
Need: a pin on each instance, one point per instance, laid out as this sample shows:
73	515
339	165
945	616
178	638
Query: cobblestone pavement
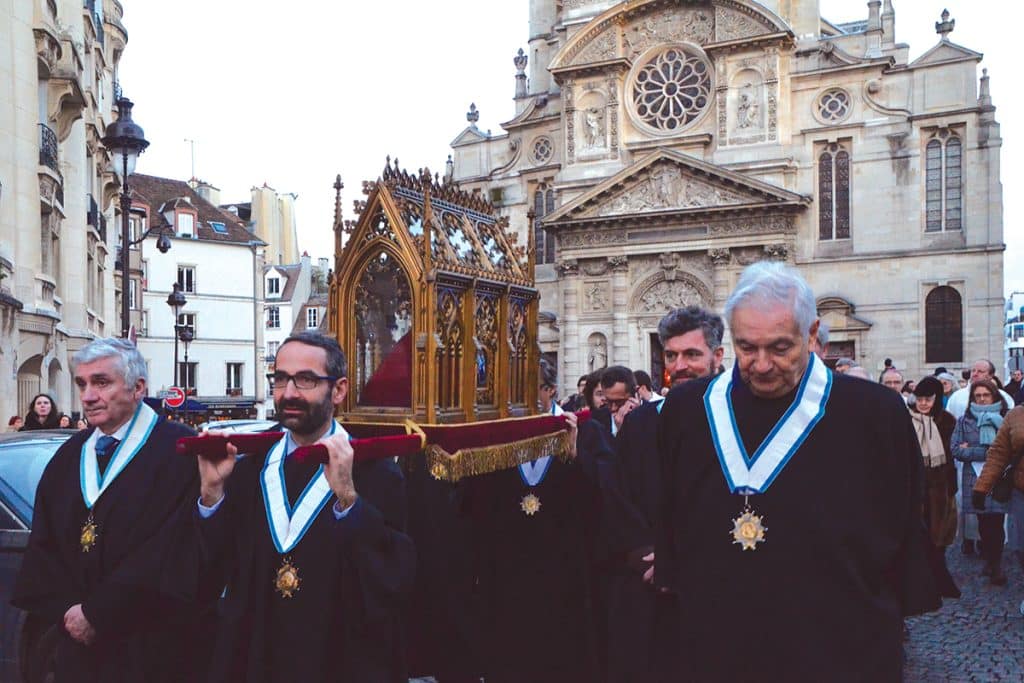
979	637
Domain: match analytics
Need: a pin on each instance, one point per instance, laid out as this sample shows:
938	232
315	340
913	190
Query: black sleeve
45	584
669	438
626	526
911	573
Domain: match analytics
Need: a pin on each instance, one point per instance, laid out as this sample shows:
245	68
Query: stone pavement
979	637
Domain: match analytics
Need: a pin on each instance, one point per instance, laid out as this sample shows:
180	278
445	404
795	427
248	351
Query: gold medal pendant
287	582
530	504
747	529
90	532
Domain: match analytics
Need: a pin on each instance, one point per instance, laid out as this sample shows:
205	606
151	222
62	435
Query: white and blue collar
132	437
288	525
747	474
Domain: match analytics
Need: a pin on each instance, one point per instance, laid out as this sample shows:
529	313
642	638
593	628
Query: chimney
206	191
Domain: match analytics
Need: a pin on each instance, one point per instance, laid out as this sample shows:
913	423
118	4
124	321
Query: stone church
659	146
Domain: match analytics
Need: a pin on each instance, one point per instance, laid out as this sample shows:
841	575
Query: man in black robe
311	559
100	528
640	619
799	562
531	526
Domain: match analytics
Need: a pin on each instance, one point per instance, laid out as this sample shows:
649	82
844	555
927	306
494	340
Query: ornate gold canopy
434	304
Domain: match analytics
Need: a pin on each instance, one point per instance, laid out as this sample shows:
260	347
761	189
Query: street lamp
186	337
176	300
124	138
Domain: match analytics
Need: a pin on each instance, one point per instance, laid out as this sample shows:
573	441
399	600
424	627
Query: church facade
660	146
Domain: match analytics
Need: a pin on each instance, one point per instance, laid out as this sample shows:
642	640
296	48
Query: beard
686	375
312	419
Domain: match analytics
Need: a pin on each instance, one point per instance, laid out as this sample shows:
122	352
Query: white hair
129	361
822	335
769	283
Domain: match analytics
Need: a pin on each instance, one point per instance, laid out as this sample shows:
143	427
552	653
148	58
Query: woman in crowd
82	424
1006	449
65	421
974	433
42	414
934	428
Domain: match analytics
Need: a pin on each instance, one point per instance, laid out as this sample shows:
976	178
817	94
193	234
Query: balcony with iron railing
48	148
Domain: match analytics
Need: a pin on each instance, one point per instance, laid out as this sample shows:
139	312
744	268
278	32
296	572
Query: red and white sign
175	398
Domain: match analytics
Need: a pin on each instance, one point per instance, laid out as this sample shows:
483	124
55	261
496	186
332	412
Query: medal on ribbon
93	484
751	475
89	534
287	582
287	525
533	473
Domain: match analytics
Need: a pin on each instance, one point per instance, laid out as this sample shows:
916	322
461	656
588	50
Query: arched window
944	183
943	324
544	242
834	193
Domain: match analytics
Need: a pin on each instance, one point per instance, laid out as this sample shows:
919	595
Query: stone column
721	260
619	351
571	369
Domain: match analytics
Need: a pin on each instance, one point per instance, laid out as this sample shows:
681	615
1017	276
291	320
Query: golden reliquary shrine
434	304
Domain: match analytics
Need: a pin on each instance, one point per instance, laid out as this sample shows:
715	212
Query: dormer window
273	286
184	224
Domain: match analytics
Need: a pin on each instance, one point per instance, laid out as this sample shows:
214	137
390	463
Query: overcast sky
290	94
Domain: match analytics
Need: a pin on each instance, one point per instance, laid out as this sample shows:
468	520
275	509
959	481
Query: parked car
244	426
26	644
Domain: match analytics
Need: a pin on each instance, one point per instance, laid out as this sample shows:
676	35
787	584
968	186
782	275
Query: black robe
641	621
844	559
532	574
142	634
344	623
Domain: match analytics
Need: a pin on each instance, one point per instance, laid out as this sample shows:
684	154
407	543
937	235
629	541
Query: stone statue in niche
747	109
593	128
598	354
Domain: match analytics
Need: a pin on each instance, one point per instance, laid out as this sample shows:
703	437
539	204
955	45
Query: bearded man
790	524
638	618
311	558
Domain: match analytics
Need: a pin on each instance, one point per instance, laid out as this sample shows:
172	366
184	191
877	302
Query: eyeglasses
304	381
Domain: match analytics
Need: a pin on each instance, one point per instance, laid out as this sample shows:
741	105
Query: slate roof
162	193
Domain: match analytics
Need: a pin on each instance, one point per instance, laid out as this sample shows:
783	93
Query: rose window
833	105
671	89
542	149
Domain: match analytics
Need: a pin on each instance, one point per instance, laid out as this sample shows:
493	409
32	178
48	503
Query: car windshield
21	466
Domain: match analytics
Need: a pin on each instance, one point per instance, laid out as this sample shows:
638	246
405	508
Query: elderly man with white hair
95	560
791	508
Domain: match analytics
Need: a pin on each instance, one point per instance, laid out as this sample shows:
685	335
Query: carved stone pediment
629	29
670	182
656	294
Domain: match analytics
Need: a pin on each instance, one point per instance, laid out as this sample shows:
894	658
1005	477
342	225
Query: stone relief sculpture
747	109
696	26
666	187
664	296
593	129
597	296
598	357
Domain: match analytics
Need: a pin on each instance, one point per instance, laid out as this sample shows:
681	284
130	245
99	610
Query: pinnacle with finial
520	61
946	26
472	115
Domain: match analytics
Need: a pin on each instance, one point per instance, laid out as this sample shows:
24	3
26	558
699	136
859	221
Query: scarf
932	450
989	422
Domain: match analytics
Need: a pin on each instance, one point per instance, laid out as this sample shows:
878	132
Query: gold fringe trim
471	462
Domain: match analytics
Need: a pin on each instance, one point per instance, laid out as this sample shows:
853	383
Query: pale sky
290	94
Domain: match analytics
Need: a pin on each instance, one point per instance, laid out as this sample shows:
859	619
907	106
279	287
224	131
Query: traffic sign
175	397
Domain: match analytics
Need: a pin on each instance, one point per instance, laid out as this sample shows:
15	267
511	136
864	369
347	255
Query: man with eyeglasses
310	558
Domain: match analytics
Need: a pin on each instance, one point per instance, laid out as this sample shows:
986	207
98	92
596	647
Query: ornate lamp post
176	300
186	337
125	141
